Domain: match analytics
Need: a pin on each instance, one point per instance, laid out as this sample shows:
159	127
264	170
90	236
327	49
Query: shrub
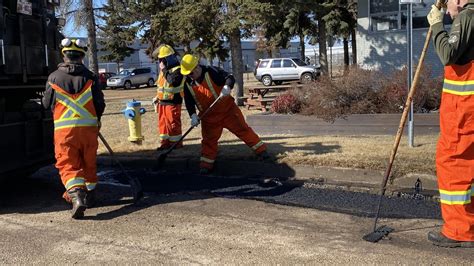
353	93
364	91
286	103
394	92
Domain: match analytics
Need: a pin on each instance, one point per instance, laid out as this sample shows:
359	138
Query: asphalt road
186	218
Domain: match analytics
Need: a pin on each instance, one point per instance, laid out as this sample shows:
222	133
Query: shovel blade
378	234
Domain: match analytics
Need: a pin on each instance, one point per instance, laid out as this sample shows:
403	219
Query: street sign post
409	4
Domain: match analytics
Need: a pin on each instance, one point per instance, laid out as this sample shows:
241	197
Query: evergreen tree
299	22
81	13
116	35
341	22
271	35
239	18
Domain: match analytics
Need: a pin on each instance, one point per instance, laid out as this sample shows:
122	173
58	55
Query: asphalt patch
281	192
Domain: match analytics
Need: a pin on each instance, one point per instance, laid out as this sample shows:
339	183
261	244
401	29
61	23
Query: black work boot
77	196
438	239
204	171
90	199
264	156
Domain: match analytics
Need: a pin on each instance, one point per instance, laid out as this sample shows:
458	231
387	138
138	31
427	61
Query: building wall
387	50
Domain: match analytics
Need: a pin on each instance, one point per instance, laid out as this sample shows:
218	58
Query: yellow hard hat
73	45
164	51
188	63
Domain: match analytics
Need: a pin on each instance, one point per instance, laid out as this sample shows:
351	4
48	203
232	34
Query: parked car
103	79
134	77
278	70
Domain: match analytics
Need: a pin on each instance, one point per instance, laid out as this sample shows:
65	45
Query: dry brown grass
367	152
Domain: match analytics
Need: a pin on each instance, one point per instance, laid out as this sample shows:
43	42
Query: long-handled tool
162	157
134	182
382	231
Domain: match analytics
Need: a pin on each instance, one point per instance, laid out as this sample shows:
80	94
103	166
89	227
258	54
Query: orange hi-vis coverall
170	93
225	114
75	137
77	104
455	152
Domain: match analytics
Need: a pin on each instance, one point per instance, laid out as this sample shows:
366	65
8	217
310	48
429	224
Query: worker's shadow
178	178
167	186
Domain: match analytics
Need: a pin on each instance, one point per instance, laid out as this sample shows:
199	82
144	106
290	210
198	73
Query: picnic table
258	95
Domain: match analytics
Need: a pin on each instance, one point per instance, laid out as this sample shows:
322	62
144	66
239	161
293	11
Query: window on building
388	15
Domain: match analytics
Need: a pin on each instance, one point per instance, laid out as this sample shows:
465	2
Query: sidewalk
366	124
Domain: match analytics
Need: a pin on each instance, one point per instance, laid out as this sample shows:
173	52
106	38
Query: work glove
194	120
99	124
155	104
225	91
435	16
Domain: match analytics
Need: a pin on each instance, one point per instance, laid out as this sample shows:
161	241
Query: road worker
77	104
169	97
204	85
455	151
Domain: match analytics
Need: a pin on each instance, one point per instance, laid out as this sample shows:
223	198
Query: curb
355	180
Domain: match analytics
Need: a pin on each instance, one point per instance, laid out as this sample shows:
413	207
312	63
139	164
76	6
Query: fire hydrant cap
133	104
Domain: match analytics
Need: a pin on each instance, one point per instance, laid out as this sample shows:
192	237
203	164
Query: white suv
278	70
133	77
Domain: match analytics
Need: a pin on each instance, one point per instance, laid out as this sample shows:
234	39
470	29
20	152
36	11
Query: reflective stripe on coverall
169	115
225	114
75	137
455	152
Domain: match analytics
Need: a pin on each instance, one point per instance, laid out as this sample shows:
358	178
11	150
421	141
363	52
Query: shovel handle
403	119
163	155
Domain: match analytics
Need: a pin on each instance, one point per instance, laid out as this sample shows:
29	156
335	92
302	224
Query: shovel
133	181
382	231
162	157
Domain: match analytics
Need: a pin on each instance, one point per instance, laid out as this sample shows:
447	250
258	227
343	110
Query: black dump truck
29	51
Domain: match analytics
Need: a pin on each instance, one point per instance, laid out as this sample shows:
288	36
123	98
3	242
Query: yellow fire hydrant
133	113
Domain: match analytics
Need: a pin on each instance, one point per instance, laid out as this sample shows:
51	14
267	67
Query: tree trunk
91	36
270	53
237	66
323	57
346	53
354	47
302	47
